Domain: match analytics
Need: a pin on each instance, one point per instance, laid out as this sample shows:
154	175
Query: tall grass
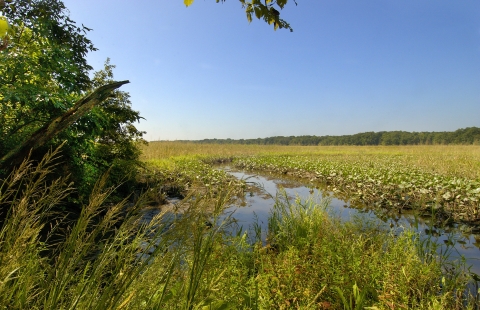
89	267
111	258
98	257
353	264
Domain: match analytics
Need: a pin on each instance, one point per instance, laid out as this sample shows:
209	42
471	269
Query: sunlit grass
454	160
443	177
315	260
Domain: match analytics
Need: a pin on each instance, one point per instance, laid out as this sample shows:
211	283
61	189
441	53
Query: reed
356	264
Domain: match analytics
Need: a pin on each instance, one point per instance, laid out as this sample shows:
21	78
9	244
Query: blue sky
349	66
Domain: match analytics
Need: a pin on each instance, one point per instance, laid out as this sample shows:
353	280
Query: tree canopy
470	135
43	68
48	97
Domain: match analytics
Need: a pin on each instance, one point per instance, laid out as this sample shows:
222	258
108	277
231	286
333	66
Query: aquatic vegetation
453	160
109	258
434	179
315	260
382	181
184	174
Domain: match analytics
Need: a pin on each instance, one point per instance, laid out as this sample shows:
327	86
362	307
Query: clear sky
349	66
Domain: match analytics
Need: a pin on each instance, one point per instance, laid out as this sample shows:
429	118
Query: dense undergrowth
111	258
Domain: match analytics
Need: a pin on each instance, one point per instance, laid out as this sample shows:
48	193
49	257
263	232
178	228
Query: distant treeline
470	135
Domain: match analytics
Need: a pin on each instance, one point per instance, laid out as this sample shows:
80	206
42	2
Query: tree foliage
55	126
3	27
267	10
106	138
45	79
42	70
470	135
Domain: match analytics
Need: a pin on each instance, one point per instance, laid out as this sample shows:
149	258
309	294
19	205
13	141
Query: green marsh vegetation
110	259
441	179
437	161
381	181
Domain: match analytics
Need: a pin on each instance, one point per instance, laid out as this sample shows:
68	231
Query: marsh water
459	240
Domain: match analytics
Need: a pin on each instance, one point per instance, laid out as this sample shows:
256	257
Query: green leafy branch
262	10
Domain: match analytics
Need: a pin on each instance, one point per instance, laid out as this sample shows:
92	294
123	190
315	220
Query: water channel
255	209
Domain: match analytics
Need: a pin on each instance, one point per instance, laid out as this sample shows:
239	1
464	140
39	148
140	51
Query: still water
255	209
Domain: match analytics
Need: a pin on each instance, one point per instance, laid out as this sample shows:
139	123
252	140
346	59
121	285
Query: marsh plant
46	264
379	181
323	261
186	257
99	260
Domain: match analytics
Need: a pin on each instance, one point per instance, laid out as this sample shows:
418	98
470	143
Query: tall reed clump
110	257
27	202
89	266
315	261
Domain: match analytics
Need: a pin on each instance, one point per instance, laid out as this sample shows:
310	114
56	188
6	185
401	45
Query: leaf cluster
42	69
64	42
266	10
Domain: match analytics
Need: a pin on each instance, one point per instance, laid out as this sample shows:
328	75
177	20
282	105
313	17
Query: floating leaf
447	195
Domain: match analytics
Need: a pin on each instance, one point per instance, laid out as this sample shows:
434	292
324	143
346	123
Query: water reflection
256	205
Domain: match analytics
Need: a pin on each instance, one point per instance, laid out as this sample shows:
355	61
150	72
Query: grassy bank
110	258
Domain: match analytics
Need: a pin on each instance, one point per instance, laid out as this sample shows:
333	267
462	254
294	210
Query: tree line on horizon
469	135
